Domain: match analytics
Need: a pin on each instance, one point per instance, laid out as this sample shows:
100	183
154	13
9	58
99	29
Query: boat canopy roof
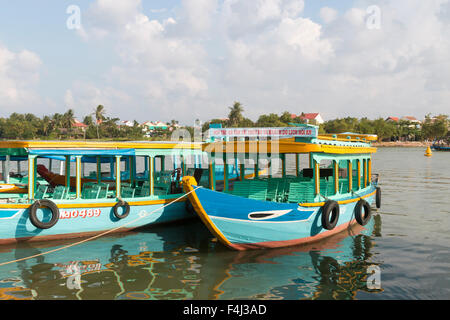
300	139
86	159
288	146
92	148
300	131
82	152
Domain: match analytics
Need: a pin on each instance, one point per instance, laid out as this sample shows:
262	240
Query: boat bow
189	185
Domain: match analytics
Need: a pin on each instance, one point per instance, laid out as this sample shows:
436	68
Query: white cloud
199	14
83	97
108	13
293	8
328	14
19	77
241	18
304	35
355	16
69	101
265	54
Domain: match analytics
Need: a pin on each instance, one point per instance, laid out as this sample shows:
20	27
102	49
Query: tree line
431	128
63	126
99	126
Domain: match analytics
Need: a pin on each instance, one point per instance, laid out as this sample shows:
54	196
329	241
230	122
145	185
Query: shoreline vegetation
97	126
403	144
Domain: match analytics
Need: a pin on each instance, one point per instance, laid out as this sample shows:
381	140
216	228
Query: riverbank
402	144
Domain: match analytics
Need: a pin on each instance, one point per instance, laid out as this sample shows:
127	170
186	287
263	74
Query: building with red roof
314	118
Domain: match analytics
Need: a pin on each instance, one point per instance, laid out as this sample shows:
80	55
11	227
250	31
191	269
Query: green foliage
235	116
435	128
61	126
270	120
99	126
341	125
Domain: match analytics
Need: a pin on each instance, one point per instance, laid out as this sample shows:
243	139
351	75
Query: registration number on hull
81	213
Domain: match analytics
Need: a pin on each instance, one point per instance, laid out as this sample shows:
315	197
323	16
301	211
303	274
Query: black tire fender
43	203
378	197
330	208
363	212
118	205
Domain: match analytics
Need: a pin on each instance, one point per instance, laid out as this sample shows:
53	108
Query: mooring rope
141	216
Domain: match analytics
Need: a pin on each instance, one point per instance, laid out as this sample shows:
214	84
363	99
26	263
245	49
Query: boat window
106	169
89	170
326	164
14	168
358	182
17	170
141	168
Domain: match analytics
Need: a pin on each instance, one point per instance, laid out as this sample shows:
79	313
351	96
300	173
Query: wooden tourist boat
267	212
79	207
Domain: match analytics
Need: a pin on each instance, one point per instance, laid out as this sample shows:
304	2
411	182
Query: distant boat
437	147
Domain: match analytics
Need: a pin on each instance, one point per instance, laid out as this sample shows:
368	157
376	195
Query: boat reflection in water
184	262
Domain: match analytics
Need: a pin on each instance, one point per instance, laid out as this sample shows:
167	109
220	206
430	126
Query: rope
141	216
354	193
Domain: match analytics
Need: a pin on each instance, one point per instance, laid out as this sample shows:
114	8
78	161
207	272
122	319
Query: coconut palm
57	123
46	125
235	116
99	114
68	119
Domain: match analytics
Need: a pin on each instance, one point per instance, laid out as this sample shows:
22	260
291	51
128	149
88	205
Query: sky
149	60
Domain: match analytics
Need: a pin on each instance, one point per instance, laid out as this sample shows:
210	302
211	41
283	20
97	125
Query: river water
403	253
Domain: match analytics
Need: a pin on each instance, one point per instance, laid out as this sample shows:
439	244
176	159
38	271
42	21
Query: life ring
35	220
362	212
378	198
330	207
118	205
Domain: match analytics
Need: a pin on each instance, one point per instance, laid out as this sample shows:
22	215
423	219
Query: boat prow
190	187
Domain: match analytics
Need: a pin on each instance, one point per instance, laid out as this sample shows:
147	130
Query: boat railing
375	178
291	189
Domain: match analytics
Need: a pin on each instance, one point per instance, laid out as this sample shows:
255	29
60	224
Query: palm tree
46	125
235	116
68	119
99	114
57	122
87	120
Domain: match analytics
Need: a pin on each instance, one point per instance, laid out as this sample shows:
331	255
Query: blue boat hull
440	148
84	219
242	223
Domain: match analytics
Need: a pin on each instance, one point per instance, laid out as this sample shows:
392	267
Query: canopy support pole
118	193
31	176
316	178
67	163
78	176
151	179
336	176
350	175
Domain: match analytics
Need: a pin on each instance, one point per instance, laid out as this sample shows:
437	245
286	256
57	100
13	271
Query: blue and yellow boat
128	187
440	147
334	190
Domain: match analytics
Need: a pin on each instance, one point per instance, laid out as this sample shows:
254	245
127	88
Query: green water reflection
185	262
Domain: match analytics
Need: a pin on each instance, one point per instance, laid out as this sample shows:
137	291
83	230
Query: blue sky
158	60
